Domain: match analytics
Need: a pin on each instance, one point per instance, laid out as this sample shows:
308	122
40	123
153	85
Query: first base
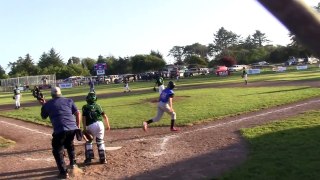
113	148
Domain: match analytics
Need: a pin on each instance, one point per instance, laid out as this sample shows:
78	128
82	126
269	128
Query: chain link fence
28	82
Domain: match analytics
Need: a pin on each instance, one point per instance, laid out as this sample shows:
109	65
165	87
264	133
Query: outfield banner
100	66
279	69
254	71
100	72
302	67
65	85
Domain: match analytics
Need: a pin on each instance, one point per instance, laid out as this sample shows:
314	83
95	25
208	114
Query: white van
236	68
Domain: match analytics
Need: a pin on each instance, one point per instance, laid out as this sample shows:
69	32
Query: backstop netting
27	82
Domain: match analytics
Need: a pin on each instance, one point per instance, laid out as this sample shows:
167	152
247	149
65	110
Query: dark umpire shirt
60	110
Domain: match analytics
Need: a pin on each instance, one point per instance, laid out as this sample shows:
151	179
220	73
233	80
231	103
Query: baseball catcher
92	117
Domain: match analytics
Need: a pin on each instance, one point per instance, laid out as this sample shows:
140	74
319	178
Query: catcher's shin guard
89	151
101	150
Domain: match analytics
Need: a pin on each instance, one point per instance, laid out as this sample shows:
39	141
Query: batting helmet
171	85
91	98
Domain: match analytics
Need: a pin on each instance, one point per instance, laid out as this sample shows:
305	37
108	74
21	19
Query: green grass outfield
266	75
287	150
191	106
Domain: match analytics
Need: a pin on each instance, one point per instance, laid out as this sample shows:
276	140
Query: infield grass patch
287	149
191	106
4	143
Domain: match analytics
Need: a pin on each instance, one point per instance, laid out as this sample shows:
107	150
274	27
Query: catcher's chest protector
92	114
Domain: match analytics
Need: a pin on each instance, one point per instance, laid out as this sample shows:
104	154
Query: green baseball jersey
92	112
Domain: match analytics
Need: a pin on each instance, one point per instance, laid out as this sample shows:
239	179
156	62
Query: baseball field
268	129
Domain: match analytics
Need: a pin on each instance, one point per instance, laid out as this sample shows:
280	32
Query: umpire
61	112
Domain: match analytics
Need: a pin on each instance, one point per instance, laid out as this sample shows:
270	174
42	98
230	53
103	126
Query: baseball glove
87	136
154	89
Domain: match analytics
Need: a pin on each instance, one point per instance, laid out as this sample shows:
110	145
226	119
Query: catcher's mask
171	85
91	98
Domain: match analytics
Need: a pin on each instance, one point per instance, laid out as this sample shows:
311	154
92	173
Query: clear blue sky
87	28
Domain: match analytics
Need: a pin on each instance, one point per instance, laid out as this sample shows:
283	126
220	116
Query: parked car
196	71
236	68
222	71
291	61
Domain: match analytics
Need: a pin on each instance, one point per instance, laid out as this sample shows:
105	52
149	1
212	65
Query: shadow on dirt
42	173
25	152
206	166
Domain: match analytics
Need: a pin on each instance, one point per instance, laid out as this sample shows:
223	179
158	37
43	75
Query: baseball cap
55	91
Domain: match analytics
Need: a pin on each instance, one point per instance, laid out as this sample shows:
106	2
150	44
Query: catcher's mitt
87	136
154	89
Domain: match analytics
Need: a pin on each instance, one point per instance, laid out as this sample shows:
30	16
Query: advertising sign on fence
302	67
65	85
254	71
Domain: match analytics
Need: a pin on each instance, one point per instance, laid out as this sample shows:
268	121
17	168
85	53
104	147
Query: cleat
87	161
145	126
63	176
103	161
174	129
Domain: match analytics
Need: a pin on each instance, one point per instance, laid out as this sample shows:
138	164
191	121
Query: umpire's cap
171	85
55	91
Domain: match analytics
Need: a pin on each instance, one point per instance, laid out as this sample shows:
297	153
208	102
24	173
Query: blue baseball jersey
166	95
60	111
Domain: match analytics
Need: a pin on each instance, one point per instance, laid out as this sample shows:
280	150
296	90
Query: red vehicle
222	71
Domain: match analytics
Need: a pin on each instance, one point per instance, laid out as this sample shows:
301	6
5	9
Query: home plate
113	148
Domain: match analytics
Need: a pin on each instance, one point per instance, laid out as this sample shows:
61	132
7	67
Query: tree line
227	48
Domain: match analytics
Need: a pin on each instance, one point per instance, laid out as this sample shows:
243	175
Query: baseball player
92	117
91	84
159	82
164	105
245	75
126	85
17	96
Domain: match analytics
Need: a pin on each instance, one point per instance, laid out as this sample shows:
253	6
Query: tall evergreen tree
50	59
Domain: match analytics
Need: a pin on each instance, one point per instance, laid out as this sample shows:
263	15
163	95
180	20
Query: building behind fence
27	82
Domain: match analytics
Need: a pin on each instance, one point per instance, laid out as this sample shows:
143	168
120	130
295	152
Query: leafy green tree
177	53
23	67
156	53
154	63
142	63
122	66
3	74
227	61
196	49
88	63
223	39
259	38
196	60
138	64
50	59
74	60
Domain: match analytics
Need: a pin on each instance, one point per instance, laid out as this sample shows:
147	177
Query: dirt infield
196	152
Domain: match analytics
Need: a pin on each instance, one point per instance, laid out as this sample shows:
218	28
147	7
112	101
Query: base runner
164	105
